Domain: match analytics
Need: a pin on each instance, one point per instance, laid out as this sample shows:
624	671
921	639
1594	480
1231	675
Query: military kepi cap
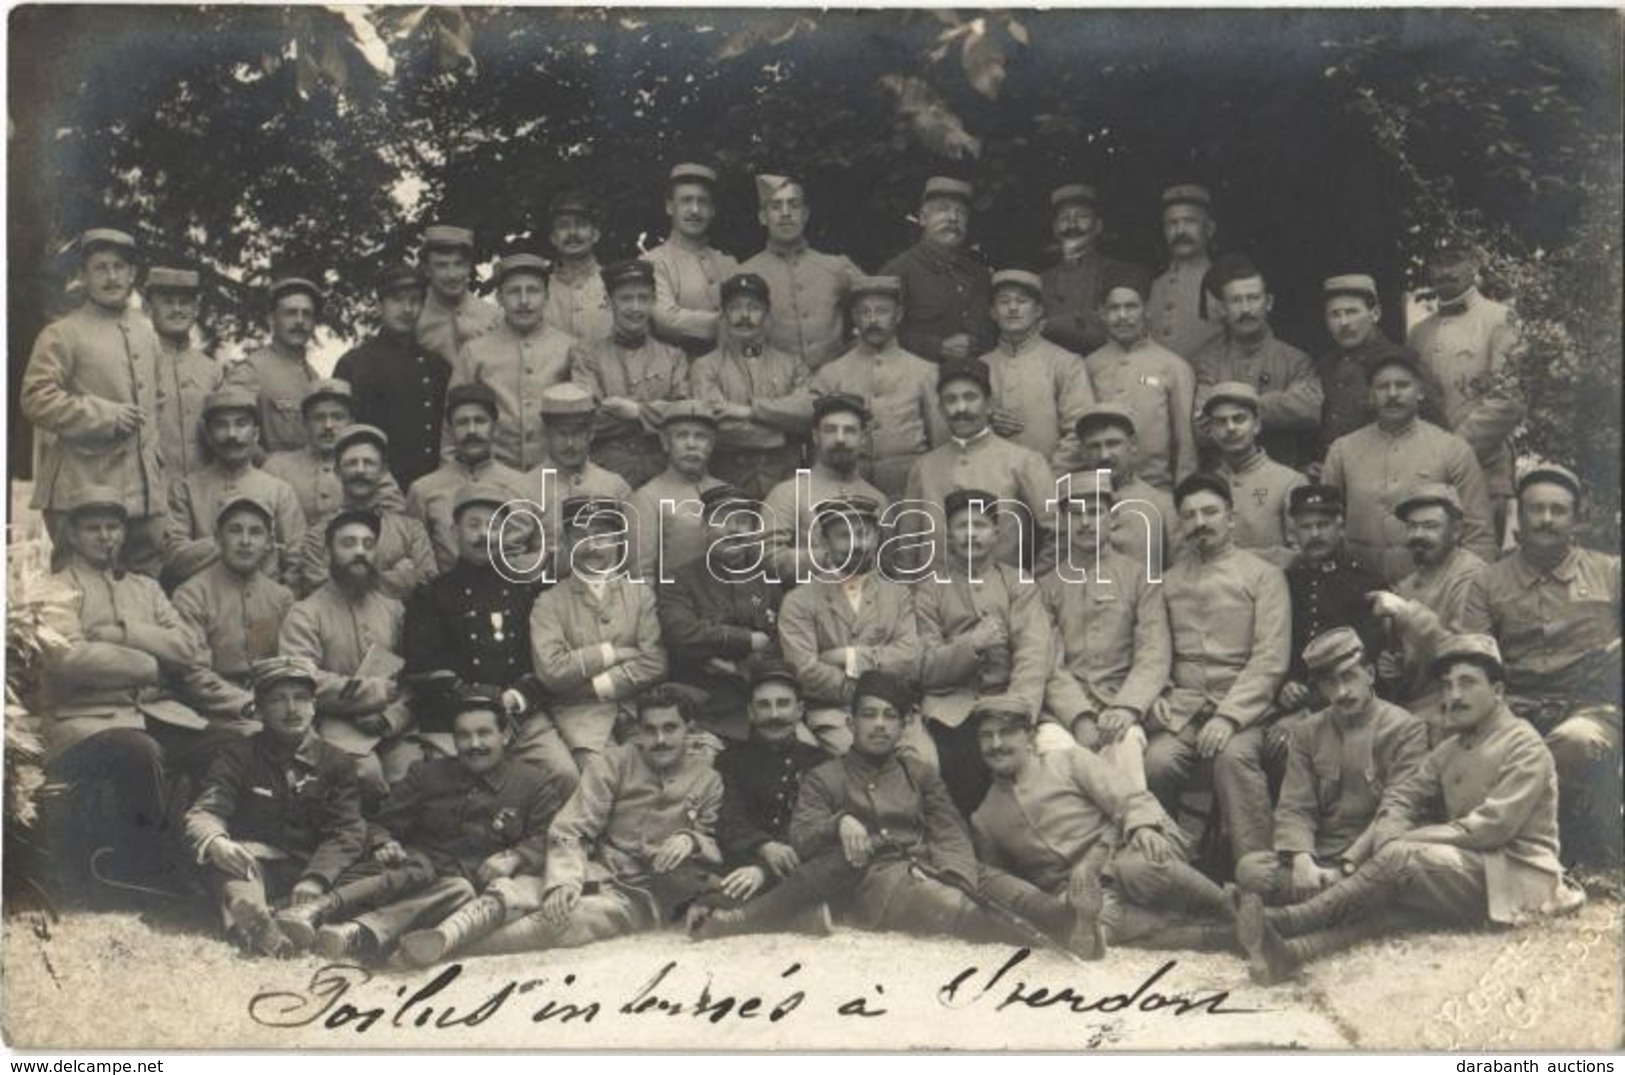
243	502
1329	649
1553	473
633	271
1480	649
284	286
717	497
687	410
1233	392
164	278
231	398
1104	414
566	400
448	237
1315	497
941	186
963	499
884	685
838	402
360	433
891	286
393	278
1003	709
966	369
828	511
572	203
1073	192
745	283
534	264
1021	278
1087	484
91	497
476	392
1356	284
272	670
93	239
328	388
1187	194
1433	493
692	173
773	670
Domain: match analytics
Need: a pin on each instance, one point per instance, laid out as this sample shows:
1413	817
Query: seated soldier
849	620
1492	855
983	631
720	610
235	609
351	630
632	848
1339	761
450	829
403	555
279	814
113	732
595	637
667	513
471	625
1066	822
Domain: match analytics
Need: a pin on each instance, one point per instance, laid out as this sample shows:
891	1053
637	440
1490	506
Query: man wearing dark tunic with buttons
947	291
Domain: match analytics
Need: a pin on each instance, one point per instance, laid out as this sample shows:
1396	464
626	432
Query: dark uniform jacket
305	804
702	617
1332	595
459	820
945	292
400	387
760	784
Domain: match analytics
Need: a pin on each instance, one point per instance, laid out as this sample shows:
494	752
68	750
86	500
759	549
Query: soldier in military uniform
235	608
946	291
279	374
1261	488
1135	371
1340	760
1039	388
471	626
566	473
760	392
1074	288
185	374
577	304
1177	307
452	315
1380	463
848	620
688	270
90	389
809	287
471	416
1142	522
517	360
1490	856
309	470
720	611
399	385
632	848
230	437
1555	608
1469	349
667	512
279	813
795	542
626	373
403	556
1354	322
898	386
1289	390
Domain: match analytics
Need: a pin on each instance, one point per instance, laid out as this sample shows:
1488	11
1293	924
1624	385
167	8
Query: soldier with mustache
280	373
688	270
327	409
1075	286
1176	307
946	290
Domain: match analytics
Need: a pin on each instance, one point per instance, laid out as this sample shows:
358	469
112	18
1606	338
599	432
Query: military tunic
518	368
688	292
809	291
472	622
1332	594
1376	469
185	378
1010	472
577	304
194	508
1174	310
1159	387
400	387
549	487
668	524
795	542
706	616
1345	381
281	382
1073	294
952	674
1443	591
403	556
1262	491
431	497
1113	644
757	453
760	784
649	372
900	390
946	292
239	619
1289	391
445	330
827	642
1044	386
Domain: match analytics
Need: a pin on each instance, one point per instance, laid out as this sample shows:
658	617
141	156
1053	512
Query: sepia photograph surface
780	529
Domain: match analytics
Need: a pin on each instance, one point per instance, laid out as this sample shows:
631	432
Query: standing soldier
566	473
279	813
452	315
90	389
667	512
185	374
517	360
628	371
1133	370
231	427
309	471
946	292
1074	288
1039	389
236	610
1289	394
1469	349
809	287
1260	487
577	304
688	270
1380	463
898	386
1177	306
760	392
1354	322
280	373
471	416
1142	523
399	385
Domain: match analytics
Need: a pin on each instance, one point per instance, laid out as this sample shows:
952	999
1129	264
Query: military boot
346	940
469	922
301	921
1088	898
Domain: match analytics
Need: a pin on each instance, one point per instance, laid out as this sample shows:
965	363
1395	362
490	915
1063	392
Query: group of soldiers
1028	606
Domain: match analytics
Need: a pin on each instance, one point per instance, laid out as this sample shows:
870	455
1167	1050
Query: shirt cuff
851	662
603	686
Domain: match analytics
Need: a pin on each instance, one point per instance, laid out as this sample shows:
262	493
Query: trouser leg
1261	872
540	745
433	902
608	912
959	760
110	791
1050	914
1242	791
1586	749
1170	763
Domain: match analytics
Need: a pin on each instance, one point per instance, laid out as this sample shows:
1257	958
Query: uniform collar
794	252
1031	342
574	274
1257	459
940	259
1250	350
971	444
1460	304
1530	575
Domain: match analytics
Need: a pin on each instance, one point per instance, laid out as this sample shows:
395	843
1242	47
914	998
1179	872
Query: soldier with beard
403	557
279	374
795	541
349	628
309	470
471	415
230	437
